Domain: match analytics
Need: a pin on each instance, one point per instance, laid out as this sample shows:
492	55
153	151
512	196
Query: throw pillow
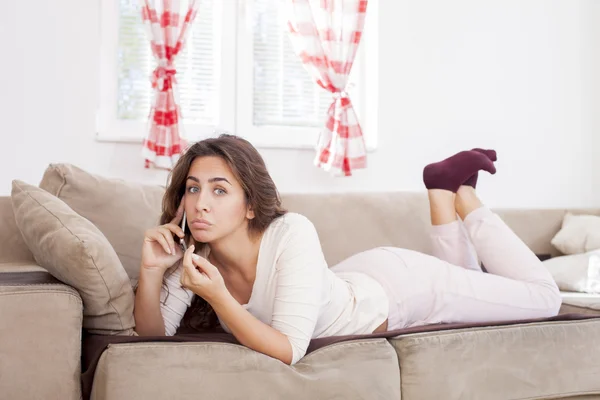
74	251
121	210
578	234
576	272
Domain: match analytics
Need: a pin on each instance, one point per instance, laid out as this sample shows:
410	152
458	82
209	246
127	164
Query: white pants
451	287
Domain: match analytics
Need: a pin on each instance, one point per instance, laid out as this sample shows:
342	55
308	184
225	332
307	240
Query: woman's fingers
161	239
190	274
176	229
184	274
188	265
168	237
179	214
205	266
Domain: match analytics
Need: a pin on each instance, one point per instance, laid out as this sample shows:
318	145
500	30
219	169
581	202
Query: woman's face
214	200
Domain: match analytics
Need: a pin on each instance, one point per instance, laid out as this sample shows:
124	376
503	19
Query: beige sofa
41	320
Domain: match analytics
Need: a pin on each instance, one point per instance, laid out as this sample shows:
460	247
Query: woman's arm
300	272
204	279
158	254
159	309
301	269
252	332
148	318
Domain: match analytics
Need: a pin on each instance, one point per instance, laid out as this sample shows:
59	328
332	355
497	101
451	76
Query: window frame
110	129
235	84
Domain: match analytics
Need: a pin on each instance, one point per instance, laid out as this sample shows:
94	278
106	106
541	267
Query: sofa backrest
351	222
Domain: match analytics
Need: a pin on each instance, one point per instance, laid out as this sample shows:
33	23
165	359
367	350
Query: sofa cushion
365	369
576	272
13	247
74	251
94	346
578	234
121	210
545	360
349	223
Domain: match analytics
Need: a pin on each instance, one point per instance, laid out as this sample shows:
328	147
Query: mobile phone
182	240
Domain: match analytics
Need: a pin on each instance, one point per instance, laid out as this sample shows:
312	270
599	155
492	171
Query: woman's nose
203	202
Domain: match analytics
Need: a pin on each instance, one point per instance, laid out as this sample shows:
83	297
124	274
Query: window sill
371	147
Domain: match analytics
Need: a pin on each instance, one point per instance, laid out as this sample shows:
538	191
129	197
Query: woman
263	272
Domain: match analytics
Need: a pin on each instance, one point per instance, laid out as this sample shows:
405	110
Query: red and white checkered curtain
325	34
163	144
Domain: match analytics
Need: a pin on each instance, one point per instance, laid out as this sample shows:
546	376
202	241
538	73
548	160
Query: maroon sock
452	172
491	154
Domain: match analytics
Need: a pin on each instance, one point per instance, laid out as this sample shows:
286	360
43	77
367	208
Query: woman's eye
220	192
192	189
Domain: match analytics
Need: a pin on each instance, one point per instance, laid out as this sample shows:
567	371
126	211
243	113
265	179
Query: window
237	72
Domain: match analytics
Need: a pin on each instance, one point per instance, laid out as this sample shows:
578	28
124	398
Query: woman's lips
200	224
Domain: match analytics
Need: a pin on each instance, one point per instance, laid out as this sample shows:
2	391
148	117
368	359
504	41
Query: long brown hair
259	190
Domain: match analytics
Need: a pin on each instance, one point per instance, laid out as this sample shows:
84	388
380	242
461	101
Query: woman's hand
159	251
202	278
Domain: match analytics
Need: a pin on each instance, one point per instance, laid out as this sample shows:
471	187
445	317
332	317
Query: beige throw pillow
121	210
578	234
74	251
576	272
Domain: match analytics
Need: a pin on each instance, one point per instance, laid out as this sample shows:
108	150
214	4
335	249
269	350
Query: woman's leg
500	249
443	180
449	239
428	290
518	285
431	290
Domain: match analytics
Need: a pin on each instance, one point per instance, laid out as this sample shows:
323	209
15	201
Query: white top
294	290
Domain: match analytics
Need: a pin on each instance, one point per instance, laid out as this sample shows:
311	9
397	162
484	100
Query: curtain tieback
339	95
163	77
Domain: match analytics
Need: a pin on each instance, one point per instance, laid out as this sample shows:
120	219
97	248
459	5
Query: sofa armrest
40	335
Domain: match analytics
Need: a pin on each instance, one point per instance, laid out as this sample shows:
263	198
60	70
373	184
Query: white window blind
197	66
284	93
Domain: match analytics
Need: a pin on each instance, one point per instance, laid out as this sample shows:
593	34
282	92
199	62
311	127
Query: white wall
518	76
593	72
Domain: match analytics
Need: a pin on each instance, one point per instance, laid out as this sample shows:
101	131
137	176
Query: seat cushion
554	359
94	346
121	210
74	251
366	369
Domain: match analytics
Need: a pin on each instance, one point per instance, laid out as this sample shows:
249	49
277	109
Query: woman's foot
491	154
451	173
